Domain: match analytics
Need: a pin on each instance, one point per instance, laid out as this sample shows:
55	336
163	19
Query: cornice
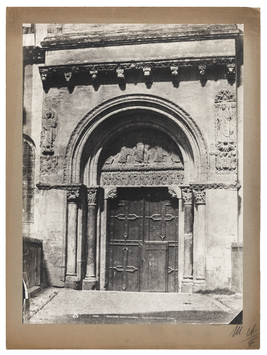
123	72
135	34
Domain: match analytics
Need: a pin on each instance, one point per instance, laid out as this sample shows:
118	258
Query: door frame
102	221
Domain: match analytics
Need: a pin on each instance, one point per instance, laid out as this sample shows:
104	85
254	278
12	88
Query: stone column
89	282
200	201
110	193
188	239
73	197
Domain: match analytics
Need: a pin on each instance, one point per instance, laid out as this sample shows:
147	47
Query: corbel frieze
50	75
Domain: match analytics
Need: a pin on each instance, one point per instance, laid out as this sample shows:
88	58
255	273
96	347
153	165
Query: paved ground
60	306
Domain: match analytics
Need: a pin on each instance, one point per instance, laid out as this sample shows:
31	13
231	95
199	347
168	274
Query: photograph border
145	336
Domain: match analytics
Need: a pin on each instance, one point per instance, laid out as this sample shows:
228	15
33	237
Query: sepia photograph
132	173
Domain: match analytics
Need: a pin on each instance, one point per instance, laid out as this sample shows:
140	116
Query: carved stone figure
225	131
49	132
142	154
48	165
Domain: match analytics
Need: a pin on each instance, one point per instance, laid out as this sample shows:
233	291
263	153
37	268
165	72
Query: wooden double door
142	241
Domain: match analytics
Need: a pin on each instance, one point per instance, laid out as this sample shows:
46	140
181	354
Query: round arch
113	117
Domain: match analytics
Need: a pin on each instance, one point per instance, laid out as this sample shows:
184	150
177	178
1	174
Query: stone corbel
44	73
147	75
95	79
174	192
110	192
202	68
120	75
175	74
68	75
230	72
94	75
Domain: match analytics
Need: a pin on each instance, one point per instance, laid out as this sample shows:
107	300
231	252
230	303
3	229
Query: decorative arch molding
106	120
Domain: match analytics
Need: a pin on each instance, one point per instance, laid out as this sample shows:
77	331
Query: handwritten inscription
250	334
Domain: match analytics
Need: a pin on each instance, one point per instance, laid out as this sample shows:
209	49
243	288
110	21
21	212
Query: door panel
143	241
154	271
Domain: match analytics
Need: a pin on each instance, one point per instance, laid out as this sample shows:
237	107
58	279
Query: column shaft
188	241
72	238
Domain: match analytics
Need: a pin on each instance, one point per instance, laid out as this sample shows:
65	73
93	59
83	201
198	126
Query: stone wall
64	108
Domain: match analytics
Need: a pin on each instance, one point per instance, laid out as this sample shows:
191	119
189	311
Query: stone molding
119	70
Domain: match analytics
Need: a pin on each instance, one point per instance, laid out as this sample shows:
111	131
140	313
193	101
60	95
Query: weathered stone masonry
136	155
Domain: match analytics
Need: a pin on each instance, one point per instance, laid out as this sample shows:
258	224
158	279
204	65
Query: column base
73	282
89	284
187	286
199	285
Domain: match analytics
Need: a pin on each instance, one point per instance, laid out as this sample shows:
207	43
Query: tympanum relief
143	158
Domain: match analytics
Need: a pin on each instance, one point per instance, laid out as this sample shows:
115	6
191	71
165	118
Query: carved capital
73	193
92	195
199	194
187	195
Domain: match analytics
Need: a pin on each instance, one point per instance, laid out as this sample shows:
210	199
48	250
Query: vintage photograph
132	173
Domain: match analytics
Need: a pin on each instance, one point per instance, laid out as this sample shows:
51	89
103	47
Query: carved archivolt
147	156
225	132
